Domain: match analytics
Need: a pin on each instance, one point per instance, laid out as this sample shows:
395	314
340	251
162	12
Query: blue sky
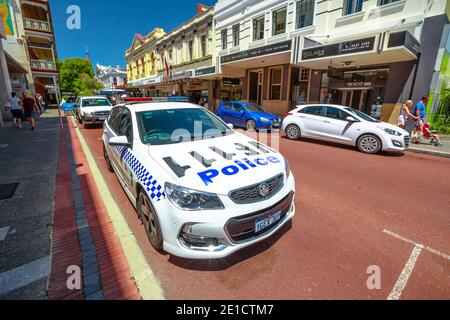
108	27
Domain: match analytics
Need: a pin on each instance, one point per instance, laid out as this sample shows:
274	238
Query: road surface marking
443	255
24	275
406	273
144	277
4	233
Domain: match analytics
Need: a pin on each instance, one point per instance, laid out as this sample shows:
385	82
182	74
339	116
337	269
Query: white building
368	54
110	77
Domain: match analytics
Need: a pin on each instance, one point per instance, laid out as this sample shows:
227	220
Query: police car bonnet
219	165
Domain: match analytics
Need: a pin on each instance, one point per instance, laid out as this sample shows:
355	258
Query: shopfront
363	73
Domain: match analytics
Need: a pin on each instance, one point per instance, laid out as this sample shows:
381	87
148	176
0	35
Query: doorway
255	86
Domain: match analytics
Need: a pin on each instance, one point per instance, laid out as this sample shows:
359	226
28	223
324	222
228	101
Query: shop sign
182	75
205	71
152	81
231	82
405	39
257	52
347	47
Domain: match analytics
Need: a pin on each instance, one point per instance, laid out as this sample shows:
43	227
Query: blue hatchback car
247	115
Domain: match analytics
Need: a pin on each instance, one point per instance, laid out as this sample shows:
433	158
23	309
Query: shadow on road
234	259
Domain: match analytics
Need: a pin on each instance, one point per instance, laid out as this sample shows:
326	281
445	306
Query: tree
88	85
70	71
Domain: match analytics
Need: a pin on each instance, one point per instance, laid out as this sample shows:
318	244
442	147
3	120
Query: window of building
279	21
203	45
191	50
236	32
304	75
258	28
224	39
352	6
276	75
305	13
383	2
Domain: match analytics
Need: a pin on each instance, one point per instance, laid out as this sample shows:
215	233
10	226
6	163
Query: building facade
28	51
367	54
111	78
188	50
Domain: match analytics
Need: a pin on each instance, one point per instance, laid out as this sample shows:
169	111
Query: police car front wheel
150	221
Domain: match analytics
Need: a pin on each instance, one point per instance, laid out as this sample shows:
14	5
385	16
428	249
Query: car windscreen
95	103
362	115
162	127
254	107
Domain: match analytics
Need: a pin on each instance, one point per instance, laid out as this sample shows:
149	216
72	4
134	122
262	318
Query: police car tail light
192	200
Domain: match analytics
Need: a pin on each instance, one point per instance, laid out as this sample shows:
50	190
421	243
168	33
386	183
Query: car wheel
79	119
251	125
150	221
293	132
369	143
108	161
85	125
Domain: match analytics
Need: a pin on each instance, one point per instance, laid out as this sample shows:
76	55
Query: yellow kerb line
148	285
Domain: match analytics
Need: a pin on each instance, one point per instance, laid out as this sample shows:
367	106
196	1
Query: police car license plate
264	223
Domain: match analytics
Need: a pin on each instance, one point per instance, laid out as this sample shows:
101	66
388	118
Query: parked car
344	125
201	191
247	115
92	110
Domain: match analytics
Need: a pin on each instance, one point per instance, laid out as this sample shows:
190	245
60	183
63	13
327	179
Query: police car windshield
161	127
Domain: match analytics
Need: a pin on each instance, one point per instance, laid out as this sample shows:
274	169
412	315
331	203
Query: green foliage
88	85
77	75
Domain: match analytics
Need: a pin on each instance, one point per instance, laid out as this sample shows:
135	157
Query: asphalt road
352	210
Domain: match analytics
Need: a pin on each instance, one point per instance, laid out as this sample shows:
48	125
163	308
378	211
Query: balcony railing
43	65
37	25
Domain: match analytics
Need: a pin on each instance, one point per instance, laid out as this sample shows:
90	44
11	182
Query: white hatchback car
202	190
344	125
92	110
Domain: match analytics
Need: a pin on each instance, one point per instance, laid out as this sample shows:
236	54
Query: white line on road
443	255
406	273
4	233
24	275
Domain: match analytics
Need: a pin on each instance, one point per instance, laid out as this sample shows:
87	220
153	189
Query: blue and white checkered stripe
154	189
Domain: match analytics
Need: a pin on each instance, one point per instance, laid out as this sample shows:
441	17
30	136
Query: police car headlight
264	119
287	168
391	132
192	200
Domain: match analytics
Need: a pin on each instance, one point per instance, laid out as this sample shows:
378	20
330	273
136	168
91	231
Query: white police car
201	190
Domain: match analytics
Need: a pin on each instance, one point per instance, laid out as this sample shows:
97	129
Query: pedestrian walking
16	110
406	114
419	112
30	106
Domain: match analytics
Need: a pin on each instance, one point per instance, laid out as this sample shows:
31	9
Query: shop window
224	39
352	6
304	75
276	75
258	28
305	13
236	35
383	2
203	45
279	21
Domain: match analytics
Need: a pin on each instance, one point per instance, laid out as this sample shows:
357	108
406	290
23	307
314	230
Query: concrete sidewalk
427	148
27	158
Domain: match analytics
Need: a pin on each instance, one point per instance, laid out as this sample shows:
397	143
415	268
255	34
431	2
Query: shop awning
13	65
384	48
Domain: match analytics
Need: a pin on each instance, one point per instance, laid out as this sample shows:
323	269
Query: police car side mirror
121	141
230	126
351	119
